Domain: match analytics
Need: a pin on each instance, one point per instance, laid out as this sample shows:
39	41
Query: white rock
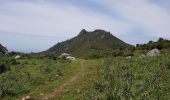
78	91
23	98
67	56
64	55
128	57
57	76
70	58
17	57
41	94
28	98
142	56
153	52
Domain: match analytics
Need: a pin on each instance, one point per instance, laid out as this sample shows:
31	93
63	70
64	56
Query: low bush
134	79
3	68
59	72
37	81
45	69
99	85
10	85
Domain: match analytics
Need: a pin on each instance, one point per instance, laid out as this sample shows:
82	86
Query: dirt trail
66	83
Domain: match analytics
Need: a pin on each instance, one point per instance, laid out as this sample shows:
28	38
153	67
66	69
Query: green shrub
3	68
168	65
45	69
89	95
160	44
59	72
10	85
134	79
14	62
128	53
52	56
99	85
37	80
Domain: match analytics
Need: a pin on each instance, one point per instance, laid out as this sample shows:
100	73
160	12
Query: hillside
45	78
3	49
86	79
88	42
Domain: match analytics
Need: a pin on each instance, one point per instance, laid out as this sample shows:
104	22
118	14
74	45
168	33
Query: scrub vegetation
99	72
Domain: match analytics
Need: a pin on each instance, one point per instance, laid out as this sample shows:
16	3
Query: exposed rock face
3	49
83	31
88	41
154	52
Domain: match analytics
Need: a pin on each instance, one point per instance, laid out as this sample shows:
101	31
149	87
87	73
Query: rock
41	94
67	56
23	98
142	56
153	52
57	76
83	31
128	57
27	98
78	91
3	49
17	57
64	56
70	58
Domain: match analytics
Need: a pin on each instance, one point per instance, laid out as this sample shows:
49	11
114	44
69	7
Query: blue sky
36	25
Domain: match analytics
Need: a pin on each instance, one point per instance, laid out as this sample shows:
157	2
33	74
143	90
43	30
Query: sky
36	25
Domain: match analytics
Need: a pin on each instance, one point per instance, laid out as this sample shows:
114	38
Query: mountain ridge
3	49
88	41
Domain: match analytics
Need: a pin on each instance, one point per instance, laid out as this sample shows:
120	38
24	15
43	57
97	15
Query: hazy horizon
36	25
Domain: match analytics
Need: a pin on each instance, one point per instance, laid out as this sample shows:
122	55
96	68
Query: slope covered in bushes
89	42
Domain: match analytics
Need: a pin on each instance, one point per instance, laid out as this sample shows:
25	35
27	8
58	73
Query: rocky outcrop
89	41
66	56
70	58
154	52
3	49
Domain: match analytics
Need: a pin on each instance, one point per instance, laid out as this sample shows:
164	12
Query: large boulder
128	57
154	52
64	56
67	56
70	58
26	98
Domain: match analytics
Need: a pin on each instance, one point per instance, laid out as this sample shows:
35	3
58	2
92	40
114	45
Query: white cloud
142	13
53	20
